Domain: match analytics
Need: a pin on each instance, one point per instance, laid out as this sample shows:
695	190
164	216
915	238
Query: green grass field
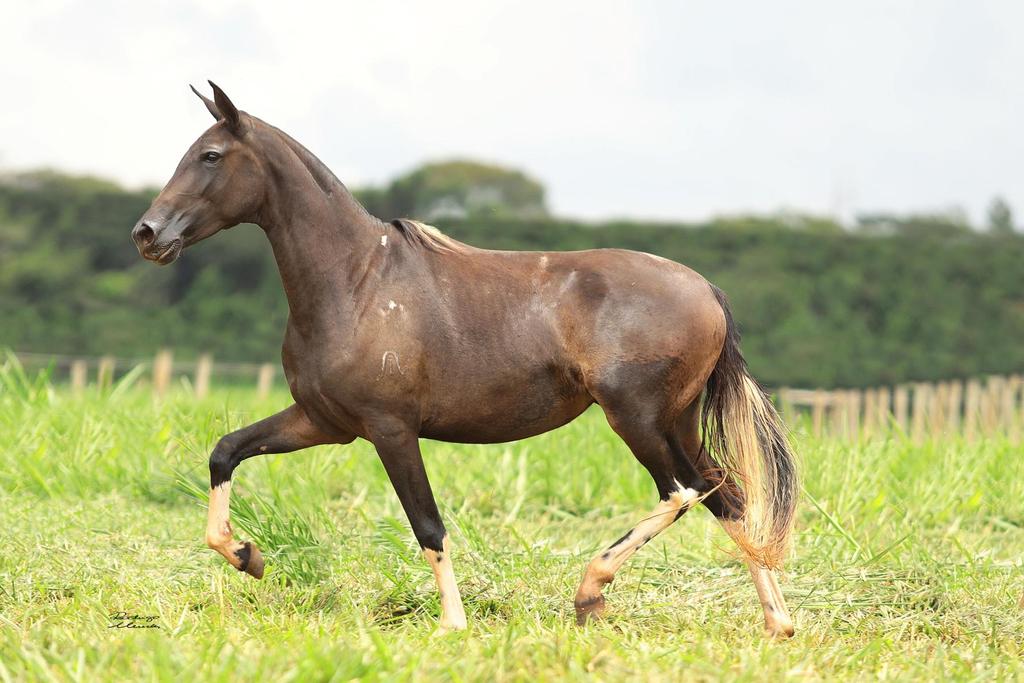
907	561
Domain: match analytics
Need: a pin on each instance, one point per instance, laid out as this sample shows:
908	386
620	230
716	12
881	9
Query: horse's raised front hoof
250	560
589	609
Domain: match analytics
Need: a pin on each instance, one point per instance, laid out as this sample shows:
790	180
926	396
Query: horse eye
210	157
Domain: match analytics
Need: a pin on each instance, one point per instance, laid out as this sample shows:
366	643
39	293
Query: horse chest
343	383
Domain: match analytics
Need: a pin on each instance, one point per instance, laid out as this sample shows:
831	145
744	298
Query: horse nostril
144	235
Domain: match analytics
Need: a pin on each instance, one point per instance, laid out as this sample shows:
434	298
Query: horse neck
320	234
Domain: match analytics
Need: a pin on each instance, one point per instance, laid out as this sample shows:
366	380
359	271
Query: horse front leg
399	451
289	430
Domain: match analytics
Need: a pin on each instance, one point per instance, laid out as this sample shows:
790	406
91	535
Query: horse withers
397	332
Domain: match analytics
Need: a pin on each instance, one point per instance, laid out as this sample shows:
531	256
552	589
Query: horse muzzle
155	245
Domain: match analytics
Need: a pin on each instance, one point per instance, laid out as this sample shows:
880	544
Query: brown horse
397	332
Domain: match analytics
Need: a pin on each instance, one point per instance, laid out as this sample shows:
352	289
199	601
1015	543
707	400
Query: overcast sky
647	109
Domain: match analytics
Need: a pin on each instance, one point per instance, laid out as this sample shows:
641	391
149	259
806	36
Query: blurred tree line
890	299
458	189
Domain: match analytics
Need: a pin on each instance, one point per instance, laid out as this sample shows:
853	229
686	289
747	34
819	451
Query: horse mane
415	232
322	176
427	236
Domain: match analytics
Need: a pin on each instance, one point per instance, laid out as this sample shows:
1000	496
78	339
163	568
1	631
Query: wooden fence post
837	413
953	406
818	412
163	367
204	366
837	409
972	409
990	405
937	413
870	412
105	372
786	409
918	420
884	410
79	369
1013	408
853	402
901	407
1006	404
264	380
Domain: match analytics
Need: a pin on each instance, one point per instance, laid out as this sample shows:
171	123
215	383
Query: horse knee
223	461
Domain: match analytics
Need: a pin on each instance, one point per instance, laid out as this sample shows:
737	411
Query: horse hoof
444	629
589	609
780	631
251	560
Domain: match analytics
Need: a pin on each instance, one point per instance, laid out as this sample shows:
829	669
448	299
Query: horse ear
211	106
227	110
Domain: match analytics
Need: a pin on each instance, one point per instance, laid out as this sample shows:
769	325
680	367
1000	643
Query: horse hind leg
589	602
727	507
653	450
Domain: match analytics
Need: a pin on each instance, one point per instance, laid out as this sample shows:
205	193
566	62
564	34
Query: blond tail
748	442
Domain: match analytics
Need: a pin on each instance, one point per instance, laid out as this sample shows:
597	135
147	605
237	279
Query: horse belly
505	408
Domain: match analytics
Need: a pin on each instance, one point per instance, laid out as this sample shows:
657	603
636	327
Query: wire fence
160	371
921	410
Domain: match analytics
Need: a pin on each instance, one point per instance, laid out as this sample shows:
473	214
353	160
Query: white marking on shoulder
392	305
385	368
383	240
